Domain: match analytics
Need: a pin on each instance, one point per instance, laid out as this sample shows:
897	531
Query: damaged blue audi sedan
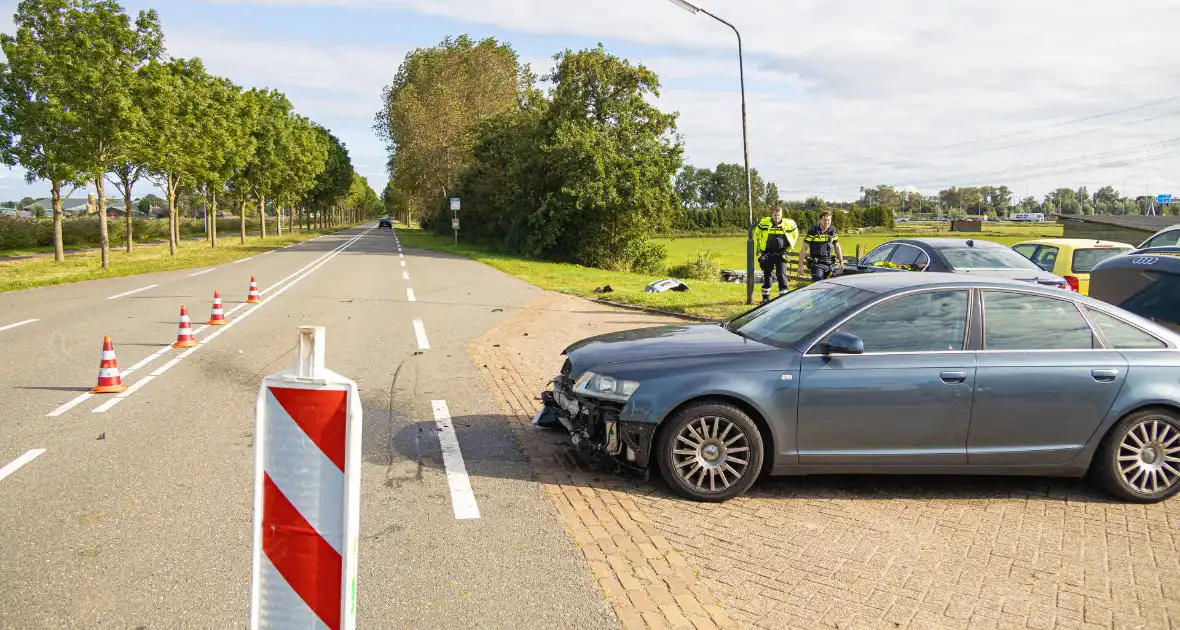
885	373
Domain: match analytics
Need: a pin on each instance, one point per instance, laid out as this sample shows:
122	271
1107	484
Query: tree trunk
172	229
262	214
242	213
104	243
213	221
127	213
59	253
279	220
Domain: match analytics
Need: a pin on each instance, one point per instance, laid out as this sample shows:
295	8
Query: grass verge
704	299
39	272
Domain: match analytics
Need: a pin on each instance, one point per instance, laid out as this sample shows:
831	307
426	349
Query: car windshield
792	317
1085	259
986	258
1169	238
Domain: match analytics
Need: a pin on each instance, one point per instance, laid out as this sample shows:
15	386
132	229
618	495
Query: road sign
454	203
455	223
1164	198
307	456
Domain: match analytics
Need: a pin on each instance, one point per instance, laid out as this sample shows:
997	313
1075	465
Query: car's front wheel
710	451
1139	460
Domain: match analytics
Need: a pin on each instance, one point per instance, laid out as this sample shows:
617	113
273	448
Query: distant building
1130	229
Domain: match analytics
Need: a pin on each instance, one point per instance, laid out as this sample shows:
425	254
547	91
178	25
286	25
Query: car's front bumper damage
594	424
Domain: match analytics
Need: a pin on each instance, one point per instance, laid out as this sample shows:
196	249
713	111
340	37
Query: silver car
911	373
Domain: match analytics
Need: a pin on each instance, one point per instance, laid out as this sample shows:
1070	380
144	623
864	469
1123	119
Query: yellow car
1070	258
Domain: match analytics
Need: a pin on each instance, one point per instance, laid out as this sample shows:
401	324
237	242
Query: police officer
820	243
773	238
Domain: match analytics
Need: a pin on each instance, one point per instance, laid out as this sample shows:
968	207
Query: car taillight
1071	283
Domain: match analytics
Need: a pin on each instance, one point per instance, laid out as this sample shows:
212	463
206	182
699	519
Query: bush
706	266
82	232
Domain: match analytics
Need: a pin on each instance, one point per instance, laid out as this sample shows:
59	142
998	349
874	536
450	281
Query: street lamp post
691	8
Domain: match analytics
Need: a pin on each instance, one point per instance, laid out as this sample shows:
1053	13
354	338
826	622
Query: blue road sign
1166	198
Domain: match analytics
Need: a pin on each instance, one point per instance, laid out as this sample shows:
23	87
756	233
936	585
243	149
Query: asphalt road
138	510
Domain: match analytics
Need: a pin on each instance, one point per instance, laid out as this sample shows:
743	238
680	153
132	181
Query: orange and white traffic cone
109	381
253	297
218	316
184	336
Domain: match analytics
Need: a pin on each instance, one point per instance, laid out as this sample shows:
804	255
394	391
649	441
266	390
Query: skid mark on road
150	286
462	497
11	326
20	461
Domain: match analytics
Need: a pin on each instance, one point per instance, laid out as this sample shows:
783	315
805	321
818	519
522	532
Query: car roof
946	243
893	281
1075	243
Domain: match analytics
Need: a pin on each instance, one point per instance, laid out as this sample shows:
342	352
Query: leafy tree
37	127
103	51
431	108
227	158
334	181
306	158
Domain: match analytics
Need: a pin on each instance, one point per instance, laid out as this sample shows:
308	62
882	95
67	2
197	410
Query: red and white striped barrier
306	495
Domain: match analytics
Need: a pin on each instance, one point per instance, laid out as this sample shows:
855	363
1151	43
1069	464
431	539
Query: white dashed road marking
420	333
403	263
10	326
410	295
20	461
405	275
462	497
202	272
152	286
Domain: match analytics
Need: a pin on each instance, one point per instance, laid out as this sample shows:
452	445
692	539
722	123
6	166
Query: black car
1145	282
954	255
385	222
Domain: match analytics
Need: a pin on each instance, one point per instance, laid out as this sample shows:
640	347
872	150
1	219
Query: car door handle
1104	375
953	377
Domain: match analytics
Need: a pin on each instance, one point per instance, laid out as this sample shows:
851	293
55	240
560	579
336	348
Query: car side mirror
844	343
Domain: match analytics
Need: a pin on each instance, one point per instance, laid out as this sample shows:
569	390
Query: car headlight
608	387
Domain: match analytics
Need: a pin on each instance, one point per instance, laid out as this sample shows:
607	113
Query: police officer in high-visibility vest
773	238
821	249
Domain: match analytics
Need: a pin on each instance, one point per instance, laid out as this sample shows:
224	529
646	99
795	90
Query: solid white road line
20	461
10	326
410	295
70	405
202	272
135	291
183	355
405	275
462	497
420	333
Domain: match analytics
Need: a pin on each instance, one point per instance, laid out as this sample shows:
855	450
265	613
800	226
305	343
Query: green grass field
716	300
731	250
38	272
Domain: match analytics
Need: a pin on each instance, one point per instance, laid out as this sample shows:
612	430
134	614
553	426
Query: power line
989	138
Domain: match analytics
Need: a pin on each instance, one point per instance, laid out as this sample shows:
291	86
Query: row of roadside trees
89	96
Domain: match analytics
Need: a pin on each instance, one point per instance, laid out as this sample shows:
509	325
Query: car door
1044	381
906	400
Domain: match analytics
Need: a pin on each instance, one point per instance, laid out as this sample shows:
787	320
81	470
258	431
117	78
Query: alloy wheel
711	453
1149	456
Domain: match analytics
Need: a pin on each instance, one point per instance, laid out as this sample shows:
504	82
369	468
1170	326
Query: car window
797	314
1020	321
1167	238
910	258
1085	259
931	321
881	254
985	258
1025	250
1156	300
1046	257
1121	335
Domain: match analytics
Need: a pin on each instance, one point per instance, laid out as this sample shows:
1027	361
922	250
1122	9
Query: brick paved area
834	552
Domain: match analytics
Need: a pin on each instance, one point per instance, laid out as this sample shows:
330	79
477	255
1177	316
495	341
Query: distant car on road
385	222
885	373
954	255
1070	258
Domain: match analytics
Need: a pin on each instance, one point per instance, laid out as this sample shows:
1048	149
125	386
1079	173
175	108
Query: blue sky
842	93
